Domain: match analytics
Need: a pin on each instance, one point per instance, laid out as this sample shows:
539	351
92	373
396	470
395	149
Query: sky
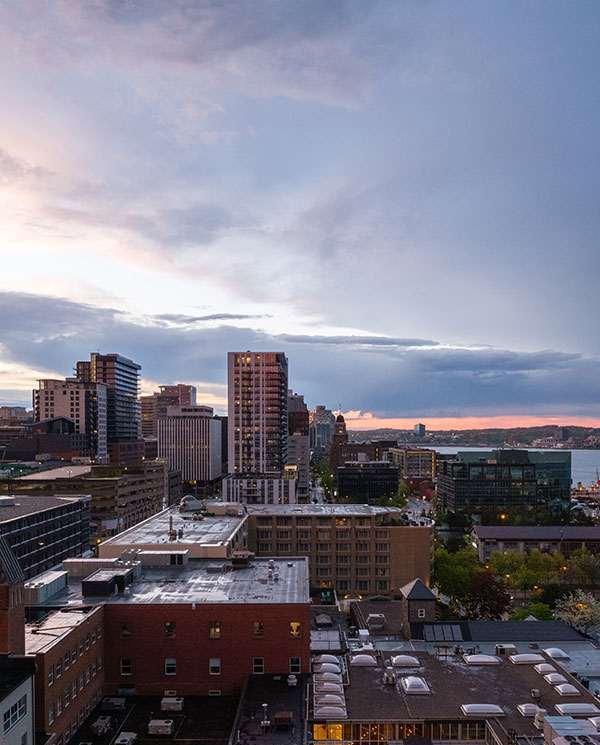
402	196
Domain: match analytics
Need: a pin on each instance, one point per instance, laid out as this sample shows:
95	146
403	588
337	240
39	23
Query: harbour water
585	464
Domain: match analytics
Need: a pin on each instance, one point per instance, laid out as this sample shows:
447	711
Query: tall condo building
321	424
122	379
189	438
85	403
154	407
257	411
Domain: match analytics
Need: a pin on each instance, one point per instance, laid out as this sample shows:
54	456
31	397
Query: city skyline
401	198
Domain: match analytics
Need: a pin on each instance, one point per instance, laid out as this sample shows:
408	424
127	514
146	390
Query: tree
452	571
486	598
541	611
586	566
580	610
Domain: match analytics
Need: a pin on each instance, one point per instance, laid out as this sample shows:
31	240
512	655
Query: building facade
321	423
298	444
261	488
367	481
546	538
85	403
189	439
257	412
154	407
352	549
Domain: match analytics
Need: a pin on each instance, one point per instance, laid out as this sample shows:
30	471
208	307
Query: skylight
481	659
526	659
405	660
482	710
414	685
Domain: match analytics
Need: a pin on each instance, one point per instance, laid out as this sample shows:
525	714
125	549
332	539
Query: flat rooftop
320	509
212	530
204	581
40	636
64	472
29	504
452	683
538	532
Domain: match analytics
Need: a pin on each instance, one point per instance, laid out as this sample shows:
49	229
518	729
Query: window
295	665
81	643
362	546
421	613
170	629
364	585
59	706
170	666
295	628
382	547
283	534
383	585
58	669
50	675
81	682
125	666
50	714
258	629
214	666
125	634
283	547
93	636
67	697
214	629
74	690
258	665
67	662
73	655
87	641
16	712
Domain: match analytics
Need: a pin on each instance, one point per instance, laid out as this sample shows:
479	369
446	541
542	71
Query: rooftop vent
544	668
577	710
481	659
482	710
566	689
389	677
327	678
326	667
526	659
329	688
363	660
330	712
329	699
528	710
326	658
555	678
414	685
540	716
405	660
556	653
7	501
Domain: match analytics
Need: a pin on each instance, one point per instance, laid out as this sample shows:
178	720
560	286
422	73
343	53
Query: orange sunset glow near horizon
361	421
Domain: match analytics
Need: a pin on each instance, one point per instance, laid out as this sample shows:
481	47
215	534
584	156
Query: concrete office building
413	463
257	412
352	549
85	403
121	496
122	379
154	407
189	439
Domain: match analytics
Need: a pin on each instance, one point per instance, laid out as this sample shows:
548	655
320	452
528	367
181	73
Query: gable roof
417	590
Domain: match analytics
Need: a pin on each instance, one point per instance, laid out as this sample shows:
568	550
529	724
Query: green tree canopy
580	610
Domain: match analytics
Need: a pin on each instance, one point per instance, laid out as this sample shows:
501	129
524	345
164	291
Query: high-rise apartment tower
257	412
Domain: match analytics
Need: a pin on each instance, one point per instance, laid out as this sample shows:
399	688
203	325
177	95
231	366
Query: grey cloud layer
397	378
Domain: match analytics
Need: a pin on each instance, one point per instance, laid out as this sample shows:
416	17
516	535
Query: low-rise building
546	538
216	532
16	700
367	481
352	549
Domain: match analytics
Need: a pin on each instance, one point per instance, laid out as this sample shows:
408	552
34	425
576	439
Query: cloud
355	341
14	169
398	378
181	319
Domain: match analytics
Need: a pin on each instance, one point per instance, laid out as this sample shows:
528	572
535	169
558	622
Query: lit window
170	666
214	666
214	629
170	629
258	629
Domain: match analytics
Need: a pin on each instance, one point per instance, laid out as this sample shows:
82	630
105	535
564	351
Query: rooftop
538	532
29	504
64	472
320	509
204	581
40	636
453	683
13	671
214	530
